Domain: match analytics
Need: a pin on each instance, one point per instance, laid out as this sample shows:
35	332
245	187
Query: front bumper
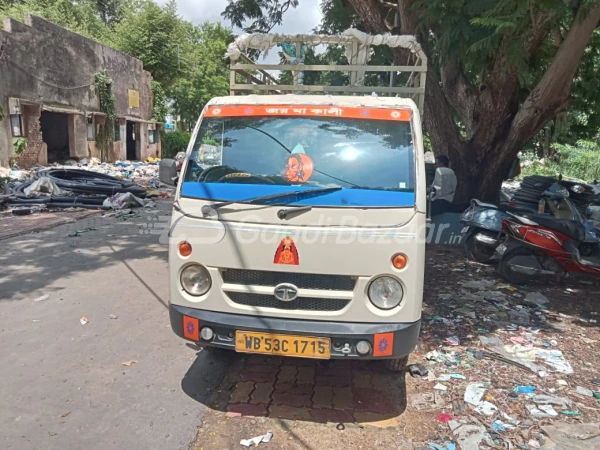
224	325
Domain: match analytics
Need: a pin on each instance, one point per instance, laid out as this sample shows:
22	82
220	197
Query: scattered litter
584	391
570	413
129	363
433	355
474	396
519	317
452	341
418	370
478	284
444	418
534	443
574	436
123	200
449	446
468	436
422	402
440	387
525	389
83	320
35	320
562	402
562	383
257	440
536	298
42	298
596	381
542	412
112	316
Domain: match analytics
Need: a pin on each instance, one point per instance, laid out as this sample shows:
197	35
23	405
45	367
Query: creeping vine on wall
104	138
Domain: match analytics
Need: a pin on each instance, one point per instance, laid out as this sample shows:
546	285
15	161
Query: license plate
464	230
501	249
282	344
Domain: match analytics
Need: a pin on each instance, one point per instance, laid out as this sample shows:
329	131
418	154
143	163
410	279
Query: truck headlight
385	292
195	280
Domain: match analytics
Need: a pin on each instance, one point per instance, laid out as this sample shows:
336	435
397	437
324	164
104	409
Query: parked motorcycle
482	232
543	245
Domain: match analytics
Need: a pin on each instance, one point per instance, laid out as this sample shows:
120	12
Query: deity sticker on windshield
298	168
286	252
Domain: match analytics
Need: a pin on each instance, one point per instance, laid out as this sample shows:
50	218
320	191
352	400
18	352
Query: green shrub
173	143
580	161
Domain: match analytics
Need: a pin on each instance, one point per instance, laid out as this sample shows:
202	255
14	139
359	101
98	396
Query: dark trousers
439	207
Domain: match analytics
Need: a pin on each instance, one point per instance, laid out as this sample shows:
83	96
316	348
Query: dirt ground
342	404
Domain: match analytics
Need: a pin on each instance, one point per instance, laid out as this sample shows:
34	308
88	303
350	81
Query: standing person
443	187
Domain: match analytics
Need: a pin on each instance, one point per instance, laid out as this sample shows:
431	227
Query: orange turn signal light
185	249
399	261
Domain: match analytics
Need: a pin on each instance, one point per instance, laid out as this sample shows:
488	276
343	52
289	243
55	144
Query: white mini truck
299	222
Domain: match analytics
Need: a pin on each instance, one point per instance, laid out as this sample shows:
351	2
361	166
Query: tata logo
286	292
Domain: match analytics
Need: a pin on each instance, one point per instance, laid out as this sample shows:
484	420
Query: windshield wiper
295	195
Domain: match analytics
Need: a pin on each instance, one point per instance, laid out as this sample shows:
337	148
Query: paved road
63	385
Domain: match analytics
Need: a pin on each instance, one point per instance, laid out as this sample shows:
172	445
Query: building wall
45	64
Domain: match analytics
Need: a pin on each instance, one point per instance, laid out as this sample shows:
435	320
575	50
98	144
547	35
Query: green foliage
208	76
82	16
580	161
161	104
106	131
173	143
264	14
20	145
155	35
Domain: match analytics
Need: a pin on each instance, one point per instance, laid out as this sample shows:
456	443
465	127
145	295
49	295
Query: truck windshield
235	158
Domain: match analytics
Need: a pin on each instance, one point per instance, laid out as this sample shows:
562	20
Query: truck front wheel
396	365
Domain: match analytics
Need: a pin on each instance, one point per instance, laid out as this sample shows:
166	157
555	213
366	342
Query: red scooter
545	246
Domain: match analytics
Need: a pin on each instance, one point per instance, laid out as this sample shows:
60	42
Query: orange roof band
402	115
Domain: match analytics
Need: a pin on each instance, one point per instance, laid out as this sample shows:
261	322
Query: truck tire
397	364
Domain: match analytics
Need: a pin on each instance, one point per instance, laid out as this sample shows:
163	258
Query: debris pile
505	368
84	184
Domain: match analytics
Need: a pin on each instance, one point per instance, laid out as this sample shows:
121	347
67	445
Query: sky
300	20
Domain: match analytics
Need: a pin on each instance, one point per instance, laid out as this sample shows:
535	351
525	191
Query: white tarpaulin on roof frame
264	42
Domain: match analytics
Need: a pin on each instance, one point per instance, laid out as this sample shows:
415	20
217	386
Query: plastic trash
520	317
467	436
536	298
544	411
596	381
584	391
440	387
83	320
257	440
42	298
574	436
474	396
525	389
417	370
478	284
453	341
123	200
444	418
129	363
562	402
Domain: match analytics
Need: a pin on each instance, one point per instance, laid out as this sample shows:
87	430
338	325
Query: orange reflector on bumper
191	328
383	344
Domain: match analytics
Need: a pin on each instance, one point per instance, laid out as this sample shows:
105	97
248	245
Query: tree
154	34
208	74
498	71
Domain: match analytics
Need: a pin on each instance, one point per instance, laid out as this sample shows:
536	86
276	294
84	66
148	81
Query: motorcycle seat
483	204
571	228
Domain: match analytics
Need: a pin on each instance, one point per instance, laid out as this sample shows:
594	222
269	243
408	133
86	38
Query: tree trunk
497	125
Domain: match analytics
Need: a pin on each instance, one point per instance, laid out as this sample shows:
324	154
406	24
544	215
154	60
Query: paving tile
262	393
287	374
293	388
323	397
246	410
296	400
261	368
288	412
343	398
362	379
305	375
325	415
374	400
333	381
257	377
241	393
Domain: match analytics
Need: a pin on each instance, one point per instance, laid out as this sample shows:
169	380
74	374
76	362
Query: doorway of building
55	133
131	141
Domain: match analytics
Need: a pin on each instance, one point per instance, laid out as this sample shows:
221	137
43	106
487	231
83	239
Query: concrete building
48	96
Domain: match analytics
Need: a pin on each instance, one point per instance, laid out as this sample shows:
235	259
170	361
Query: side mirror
167	171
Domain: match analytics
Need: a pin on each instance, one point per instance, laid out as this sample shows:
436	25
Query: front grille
300	280
301	303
